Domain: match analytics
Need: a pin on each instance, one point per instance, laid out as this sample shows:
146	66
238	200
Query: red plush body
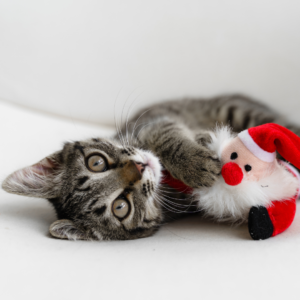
282	214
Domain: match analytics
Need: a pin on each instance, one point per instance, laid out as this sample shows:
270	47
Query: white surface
72	57
187	259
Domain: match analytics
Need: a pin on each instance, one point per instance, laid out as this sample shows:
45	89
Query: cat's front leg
191	162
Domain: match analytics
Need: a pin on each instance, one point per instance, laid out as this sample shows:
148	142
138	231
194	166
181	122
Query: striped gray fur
176	132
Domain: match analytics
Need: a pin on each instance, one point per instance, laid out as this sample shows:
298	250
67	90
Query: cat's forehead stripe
79	147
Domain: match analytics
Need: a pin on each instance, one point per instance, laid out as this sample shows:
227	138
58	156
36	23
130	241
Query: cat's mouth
153	164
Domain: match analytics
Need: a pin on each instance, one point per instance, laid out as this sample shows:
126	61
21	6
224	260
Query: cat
109	189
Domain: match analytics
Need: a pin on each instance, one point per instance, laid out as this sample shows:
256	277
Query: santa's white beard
232	203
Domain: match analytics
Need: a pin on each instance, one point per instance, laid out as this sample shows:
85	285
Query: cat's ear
39	180
66	229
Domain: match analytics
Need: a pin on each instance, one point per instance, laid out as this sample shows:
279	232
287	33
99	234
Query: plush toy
254	186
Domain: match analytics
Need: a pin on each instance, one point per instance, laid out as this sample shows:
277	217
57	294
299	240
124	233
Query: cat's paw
259	224
198	167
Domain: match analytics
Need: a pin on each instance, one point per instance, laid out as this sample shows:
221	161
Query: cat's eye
234	156
96	163
121	208
248	168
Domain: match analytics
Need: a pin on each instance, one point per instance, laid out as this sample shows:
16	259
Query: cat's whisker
177	204
163	204
128	111
126	128
171	202
133	130
171	198
168	206
173	191
116	124
177	199
122	115
122	139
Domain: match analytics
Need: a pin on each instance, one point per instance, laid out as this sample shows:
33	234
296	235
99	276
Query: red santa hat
264	140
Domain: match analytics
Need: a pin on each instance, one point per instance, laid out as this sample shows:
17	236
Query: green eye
120	208
96	163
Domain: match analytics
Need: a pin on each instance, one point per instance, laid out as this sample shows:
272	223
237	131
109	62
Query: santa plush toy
254	186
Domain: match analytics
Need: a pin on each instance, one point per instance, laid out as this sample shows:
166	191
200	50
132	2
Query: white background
74	57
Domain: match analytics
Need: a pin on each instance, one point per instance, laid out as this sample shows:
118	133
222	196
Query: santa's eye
248	168
233	156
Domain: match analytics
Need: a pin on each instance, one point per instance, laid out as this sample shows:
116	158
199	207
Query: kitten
105	189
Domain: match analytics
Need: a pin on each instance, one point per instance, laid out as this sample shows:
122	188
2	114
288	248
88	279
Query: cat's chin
154	165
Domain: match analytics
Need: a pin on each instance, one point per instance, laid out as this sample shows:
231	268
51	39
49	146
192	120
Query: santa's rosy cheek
251	177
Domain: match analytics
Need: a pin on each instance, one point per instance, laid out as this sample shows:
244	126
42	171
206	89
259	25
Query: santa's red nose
232	173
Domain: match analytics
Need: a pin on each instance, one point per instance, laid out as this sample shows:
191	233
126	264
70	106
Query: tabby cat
105	189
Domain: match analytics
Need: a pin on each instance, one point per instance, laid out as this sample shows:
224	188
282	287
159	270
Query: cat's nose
140	166
132	171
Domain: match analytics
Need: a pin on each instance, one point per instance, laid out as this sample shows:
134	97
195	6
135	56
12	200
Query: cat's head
100	190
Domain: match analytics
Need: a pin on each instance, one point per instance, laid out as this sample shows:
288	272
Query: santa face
240	164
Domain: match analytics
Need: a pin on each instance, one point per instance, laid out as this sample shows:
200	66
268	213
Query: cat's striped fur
176	132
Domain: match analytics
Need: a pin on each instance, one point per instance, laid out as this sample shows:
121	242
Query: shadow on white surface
28	213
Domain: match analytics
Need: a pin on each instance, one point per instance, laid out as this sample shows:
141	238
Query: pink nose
140	166
232	173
